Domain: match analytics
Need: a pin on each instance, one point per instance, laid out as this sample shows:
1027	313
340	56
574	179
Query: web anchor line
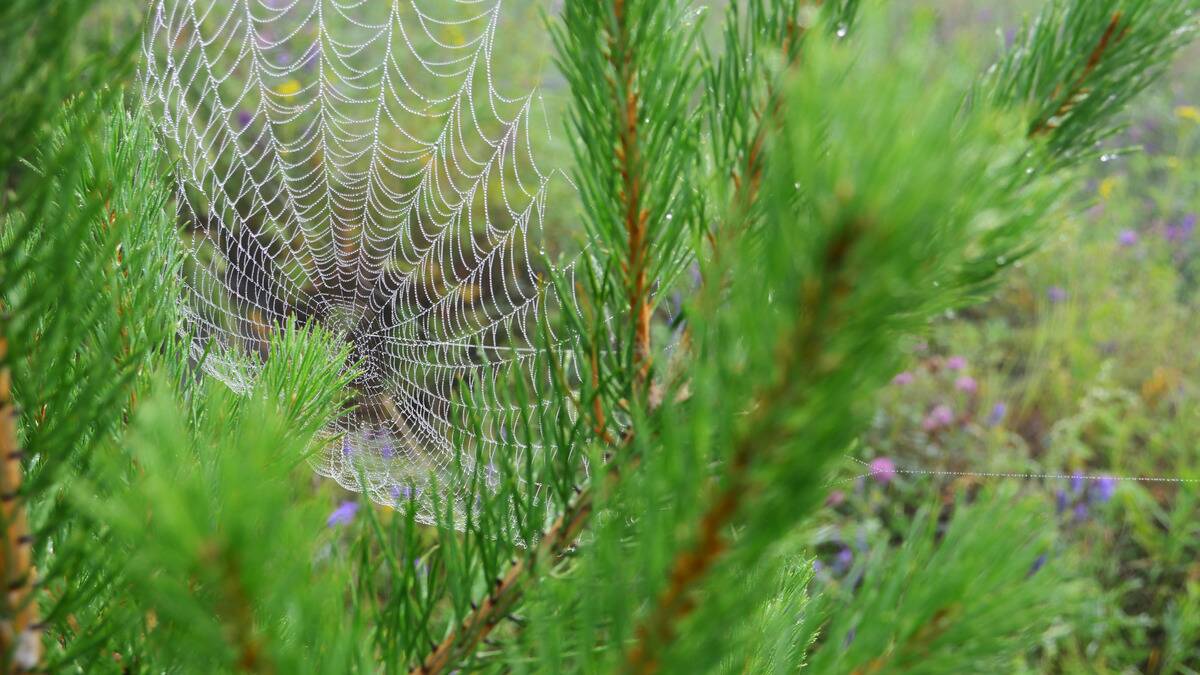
1017	475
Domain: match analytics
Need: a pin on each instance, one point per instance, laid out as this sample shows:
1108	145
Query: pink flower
1127	238
940	416
883	470
956	363
967	384
903	378
835	498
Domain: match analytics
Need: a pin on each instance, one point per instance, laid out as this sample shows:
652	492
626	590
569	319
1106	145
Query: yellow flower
1174	162
1107	186
1188	112
288	88
456	36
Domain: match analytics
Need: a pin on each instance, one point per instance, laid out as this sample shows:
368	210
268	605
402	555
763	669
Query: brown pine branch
1077	90
20	632
627	102
507	590
764	431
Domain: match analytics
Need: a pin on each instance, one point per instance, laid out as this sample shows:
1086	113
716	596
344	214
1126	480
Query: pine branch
1078	88
626	103
20	634
507	590
819	314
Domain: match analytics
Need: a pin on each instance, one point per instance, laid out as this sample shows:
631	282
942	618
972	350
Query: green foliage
971	597
1079	63
89	281
209	536
838	187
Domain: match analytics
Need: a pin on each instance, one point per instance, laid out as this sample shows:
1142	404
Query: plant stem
20	633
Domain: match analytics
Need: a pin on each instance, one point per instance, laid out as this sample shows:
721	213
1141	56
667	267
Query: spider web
354	164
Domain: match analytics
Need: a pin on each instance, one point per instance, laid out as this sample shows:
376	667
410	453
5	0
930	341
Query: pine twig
20	632
507	590
1077	89
799	346
636	216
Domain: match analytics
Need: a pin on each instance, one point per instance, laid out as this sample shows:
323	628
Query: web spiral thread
354	164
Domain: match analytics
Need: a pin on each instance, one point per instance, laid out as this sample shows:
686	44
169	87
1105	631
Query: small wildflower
1056	294
997	415
1107	187
845	558
1127	238
835	498
956	363
902	379
883	470
817	566
1106	486
347	449
1060	502
1188	112
1081	512
289	88
244	117
387	450
1077	482
940	416
967	384
1182	231
1038	564
343	514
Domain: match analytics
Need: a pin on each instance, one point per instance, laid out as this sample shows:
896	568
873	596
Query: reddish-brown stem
1077	89
801	345
636	217
20	633
507	590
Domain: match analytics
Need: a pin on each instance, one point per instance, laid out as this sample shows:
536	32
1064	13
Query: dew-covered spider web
356	164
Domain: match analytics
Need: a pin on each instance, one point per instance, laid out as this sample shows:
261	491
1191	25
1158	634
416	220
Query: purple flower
1056	294
997	415
883	470
817	566
1077	482
967	384
902	379
1182	231
343	514
1060	502
1081	511
1037	565
243	118
940	416
956	363
835	498
387	450
1106	486
1127	238
845	558
347	449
